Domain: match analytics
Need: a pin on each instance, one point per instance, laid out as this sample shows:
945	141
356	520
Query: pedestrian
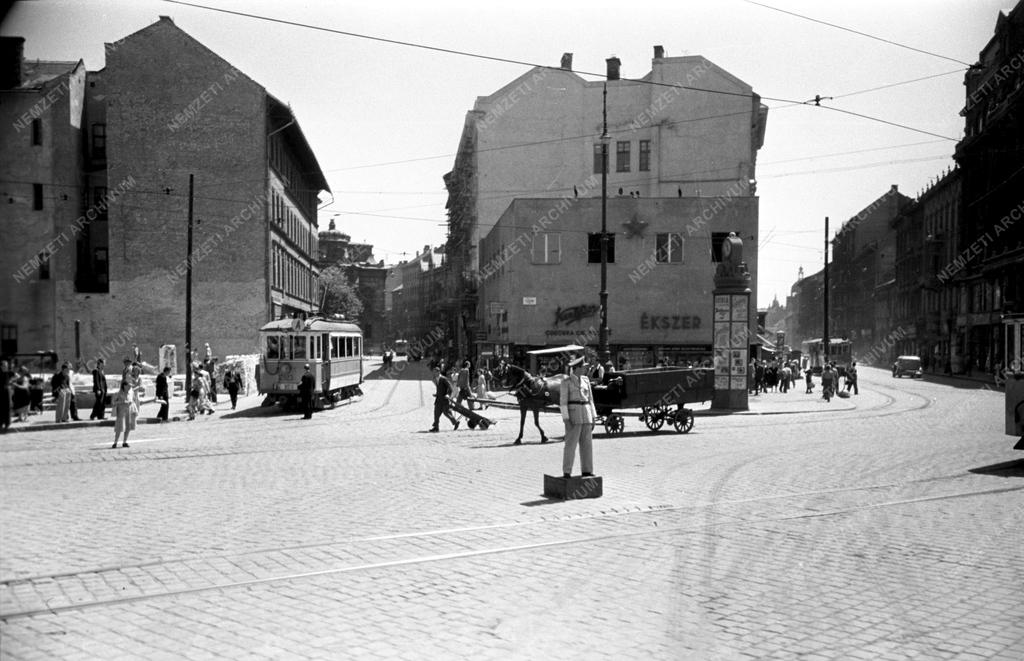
163	394
576	403
785	379
462	385
442	394
829	378
759	377
126	372
307	388
203	378
125	412
193	394
233	383
99	391
21	398
6	376
851	379
211	370
596	371
61	386
482	378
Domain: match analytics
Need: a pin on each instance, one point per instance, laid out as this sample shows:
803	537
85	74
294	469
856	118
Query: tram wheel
683	421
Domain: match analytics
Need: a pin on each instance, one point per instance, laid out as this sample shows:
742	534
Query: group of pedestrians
771	375
15	395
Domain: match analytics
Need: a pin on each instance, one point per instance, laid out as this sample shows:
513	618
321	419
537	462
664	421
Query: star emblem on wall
635	227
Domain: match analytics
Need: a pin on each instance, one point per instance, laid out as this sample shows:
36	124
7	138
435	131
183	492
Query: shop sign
669	322
567	316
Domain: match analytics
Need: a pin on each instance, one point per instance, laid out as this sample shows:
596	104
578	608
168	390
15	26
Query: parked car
907	365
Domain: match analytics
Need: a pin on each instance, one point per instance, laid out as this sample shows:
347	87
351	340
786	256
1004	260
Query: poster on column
722	308
739	308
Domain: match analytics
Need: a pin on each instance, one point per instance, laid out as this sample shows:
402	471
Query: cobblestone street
890	529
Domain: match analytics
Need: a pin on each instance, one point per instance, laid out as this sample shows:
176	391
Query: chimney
567	61
613	67
11	52
659	52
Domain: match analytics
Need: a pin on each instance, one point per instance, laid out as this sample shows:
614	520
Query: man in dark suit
163	394
99	389
306	388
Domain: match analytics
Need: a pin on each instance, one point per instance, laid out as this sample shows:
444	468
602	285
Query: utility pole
824	335
188	293
604	356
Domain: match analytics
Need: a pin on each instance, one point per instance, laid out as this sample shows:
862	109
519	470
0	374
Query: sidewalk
147	414
779	403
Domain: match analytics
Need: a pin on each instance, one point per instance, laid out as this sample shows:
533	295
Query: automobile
909	365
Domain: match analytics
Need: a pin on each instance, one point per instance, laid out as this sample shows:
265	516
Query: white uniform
576	402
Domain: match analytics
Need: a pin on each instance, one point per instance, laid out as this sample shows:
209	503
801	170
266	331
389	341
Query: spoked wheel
683	420
614	424
654	416
471	424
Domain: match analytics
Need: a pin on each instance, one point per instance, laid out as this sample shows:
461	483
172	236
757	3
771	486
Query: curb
85	424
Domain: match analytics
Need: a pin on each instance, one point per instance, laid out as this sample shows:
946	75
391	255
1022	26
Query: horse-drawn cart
659	393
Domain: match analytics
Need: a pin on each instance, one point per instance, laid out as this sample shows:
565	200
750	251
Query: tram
333	350
1013	356
840	352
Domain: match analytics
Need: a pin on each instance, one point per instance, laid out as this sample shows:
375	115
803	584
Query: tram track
22	597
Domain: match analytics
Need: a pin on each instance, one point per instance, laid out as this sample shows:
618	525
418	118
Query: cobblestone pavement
886	529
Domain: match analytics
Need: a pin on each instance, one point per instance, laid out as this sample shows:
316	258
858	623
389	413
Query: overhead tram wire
494	58
452	51
858	32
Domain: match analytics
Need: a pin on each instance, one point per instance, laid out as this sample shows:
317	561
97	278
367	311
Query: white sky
362	103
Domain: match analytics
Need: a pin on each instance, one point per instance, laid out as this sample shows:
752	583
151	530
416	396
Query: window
37	132
622	156
37	197
348	346
669	247
598	158
334	347
99	141
645	156
271	350
547	248
298	347
594	248
8	340
44	266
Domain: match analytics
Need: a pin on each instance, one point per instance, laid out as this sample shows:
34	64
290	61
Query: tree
339	296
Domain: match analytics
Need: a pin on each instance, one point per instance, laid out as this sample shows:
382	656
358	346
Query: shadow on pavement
400	370
1013	468
543	501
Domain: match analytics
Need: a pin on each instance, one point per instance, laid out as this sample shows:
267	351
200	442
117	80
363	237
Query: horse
531	392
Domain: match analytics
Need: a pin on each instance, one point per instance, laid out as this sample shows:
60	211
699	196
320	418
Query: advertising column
732	327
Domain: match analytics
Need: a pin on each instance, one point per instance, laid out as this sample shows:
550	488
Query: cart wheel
654	416
614	424
683	420
484	424
471	424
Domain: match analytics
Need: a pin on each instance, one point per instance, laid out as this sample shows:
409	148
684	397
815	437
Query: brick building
166	107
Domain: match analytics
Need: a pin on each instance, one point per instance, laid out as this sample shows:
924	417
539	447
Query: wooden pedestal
573	488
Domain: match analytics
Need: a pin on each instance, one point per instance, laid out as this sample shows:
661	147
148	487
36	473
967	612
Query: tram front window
272	347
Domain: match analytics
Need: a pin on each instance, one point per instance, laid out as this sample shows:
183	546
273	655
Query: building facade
862	273
986	269
366	276
42	112
164	109
540	275
686	129
926	304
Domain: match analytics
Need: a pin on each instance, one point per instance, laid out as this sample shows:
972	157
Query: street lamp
603	354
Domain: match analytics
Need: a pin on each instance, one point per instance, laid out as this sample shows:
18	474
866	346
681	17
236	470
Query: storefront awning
567	348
